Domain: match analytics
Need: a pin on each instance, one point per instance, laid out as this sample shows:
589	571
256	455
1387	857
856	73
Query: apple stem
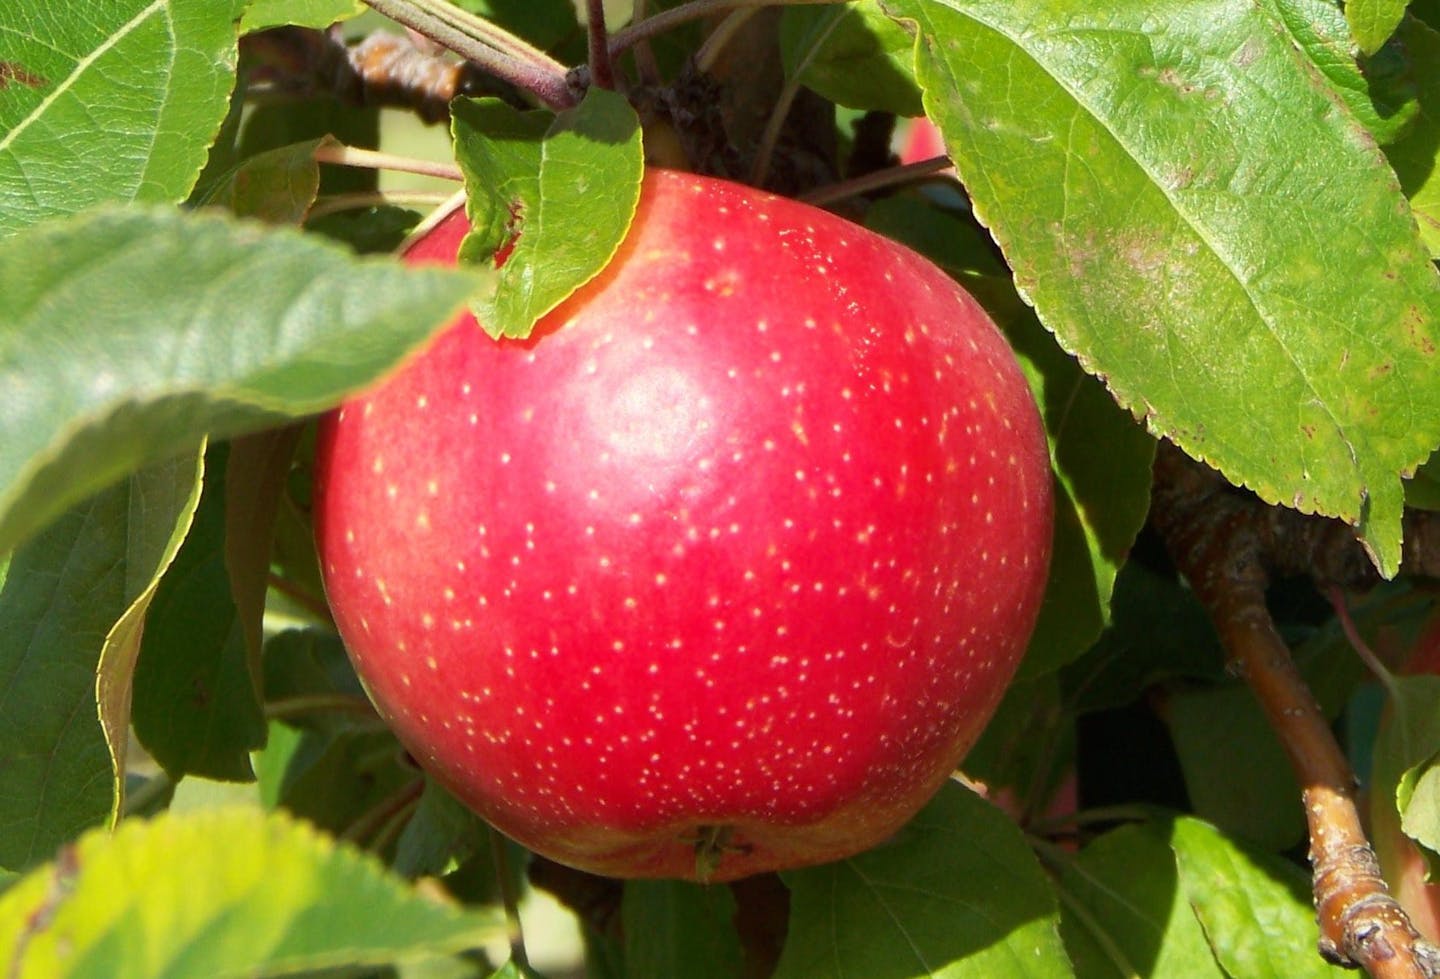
876	180
770	137
353	156
510	898
1218	541
493	49
665	20
646	67
602	71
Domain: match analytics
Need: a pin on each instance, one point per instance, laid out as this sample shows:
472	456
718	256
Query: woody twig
1228	544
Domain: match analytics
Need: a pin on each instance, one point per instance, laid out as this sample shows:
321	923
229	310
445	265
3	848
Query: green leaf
257	472
1158	630
1373	21
1170	185
956	894
334	781
1406	753
170	499
1258	801
1416	157
441	835
1101	458
64	591
127	336
1380	96
220	893
1255	908
277	186
1423	491
310	683
675	928
851	54
1124	914
109	101
544	23
196	702
261	14
1026	753
567	185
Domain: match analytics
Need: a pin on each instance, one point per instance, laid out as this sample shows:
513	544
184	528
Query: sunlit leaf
567	185
60	602
219	893
957	894
108	101
1171	185
127	336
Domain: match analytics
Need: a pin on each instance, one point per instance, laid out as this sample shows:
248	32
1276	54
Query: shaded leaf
1379	96
261	14
310	683
277	186
1158	631
1416	157
64	591
851	54
219	893
441	835
675	928
1125	913
1246	901
166	499
1171	185
196	705
1406	751
115	101
566	185
1373	21
257	471
206	326
957	893
1258	801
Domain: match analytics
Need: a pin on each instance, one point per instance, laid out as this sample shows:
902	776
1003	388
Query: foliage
1205	221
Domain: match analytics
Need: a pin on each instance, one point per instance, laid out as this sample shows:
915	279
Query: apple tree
715	488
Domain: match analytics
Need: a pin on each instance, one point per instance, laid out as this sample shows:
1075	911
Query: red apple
723	569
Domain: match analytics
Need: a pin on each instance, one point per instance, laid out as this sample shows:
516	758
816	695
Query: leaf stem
336	203
510	899
300	706
725	31
888	177
1358	643
315	606
353	156
770	138
378	816
496	51
693	10
646	67
1217	540
602	70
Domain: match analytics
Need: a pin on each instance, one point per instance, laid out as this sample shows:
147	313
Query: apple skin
723	569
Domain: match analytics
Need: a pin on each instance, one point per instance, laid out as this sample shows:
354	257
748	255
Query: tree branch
1221	541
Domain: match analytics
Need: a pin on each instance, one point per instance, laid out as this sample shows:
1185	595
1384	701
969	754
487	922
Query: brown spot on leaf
13	71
